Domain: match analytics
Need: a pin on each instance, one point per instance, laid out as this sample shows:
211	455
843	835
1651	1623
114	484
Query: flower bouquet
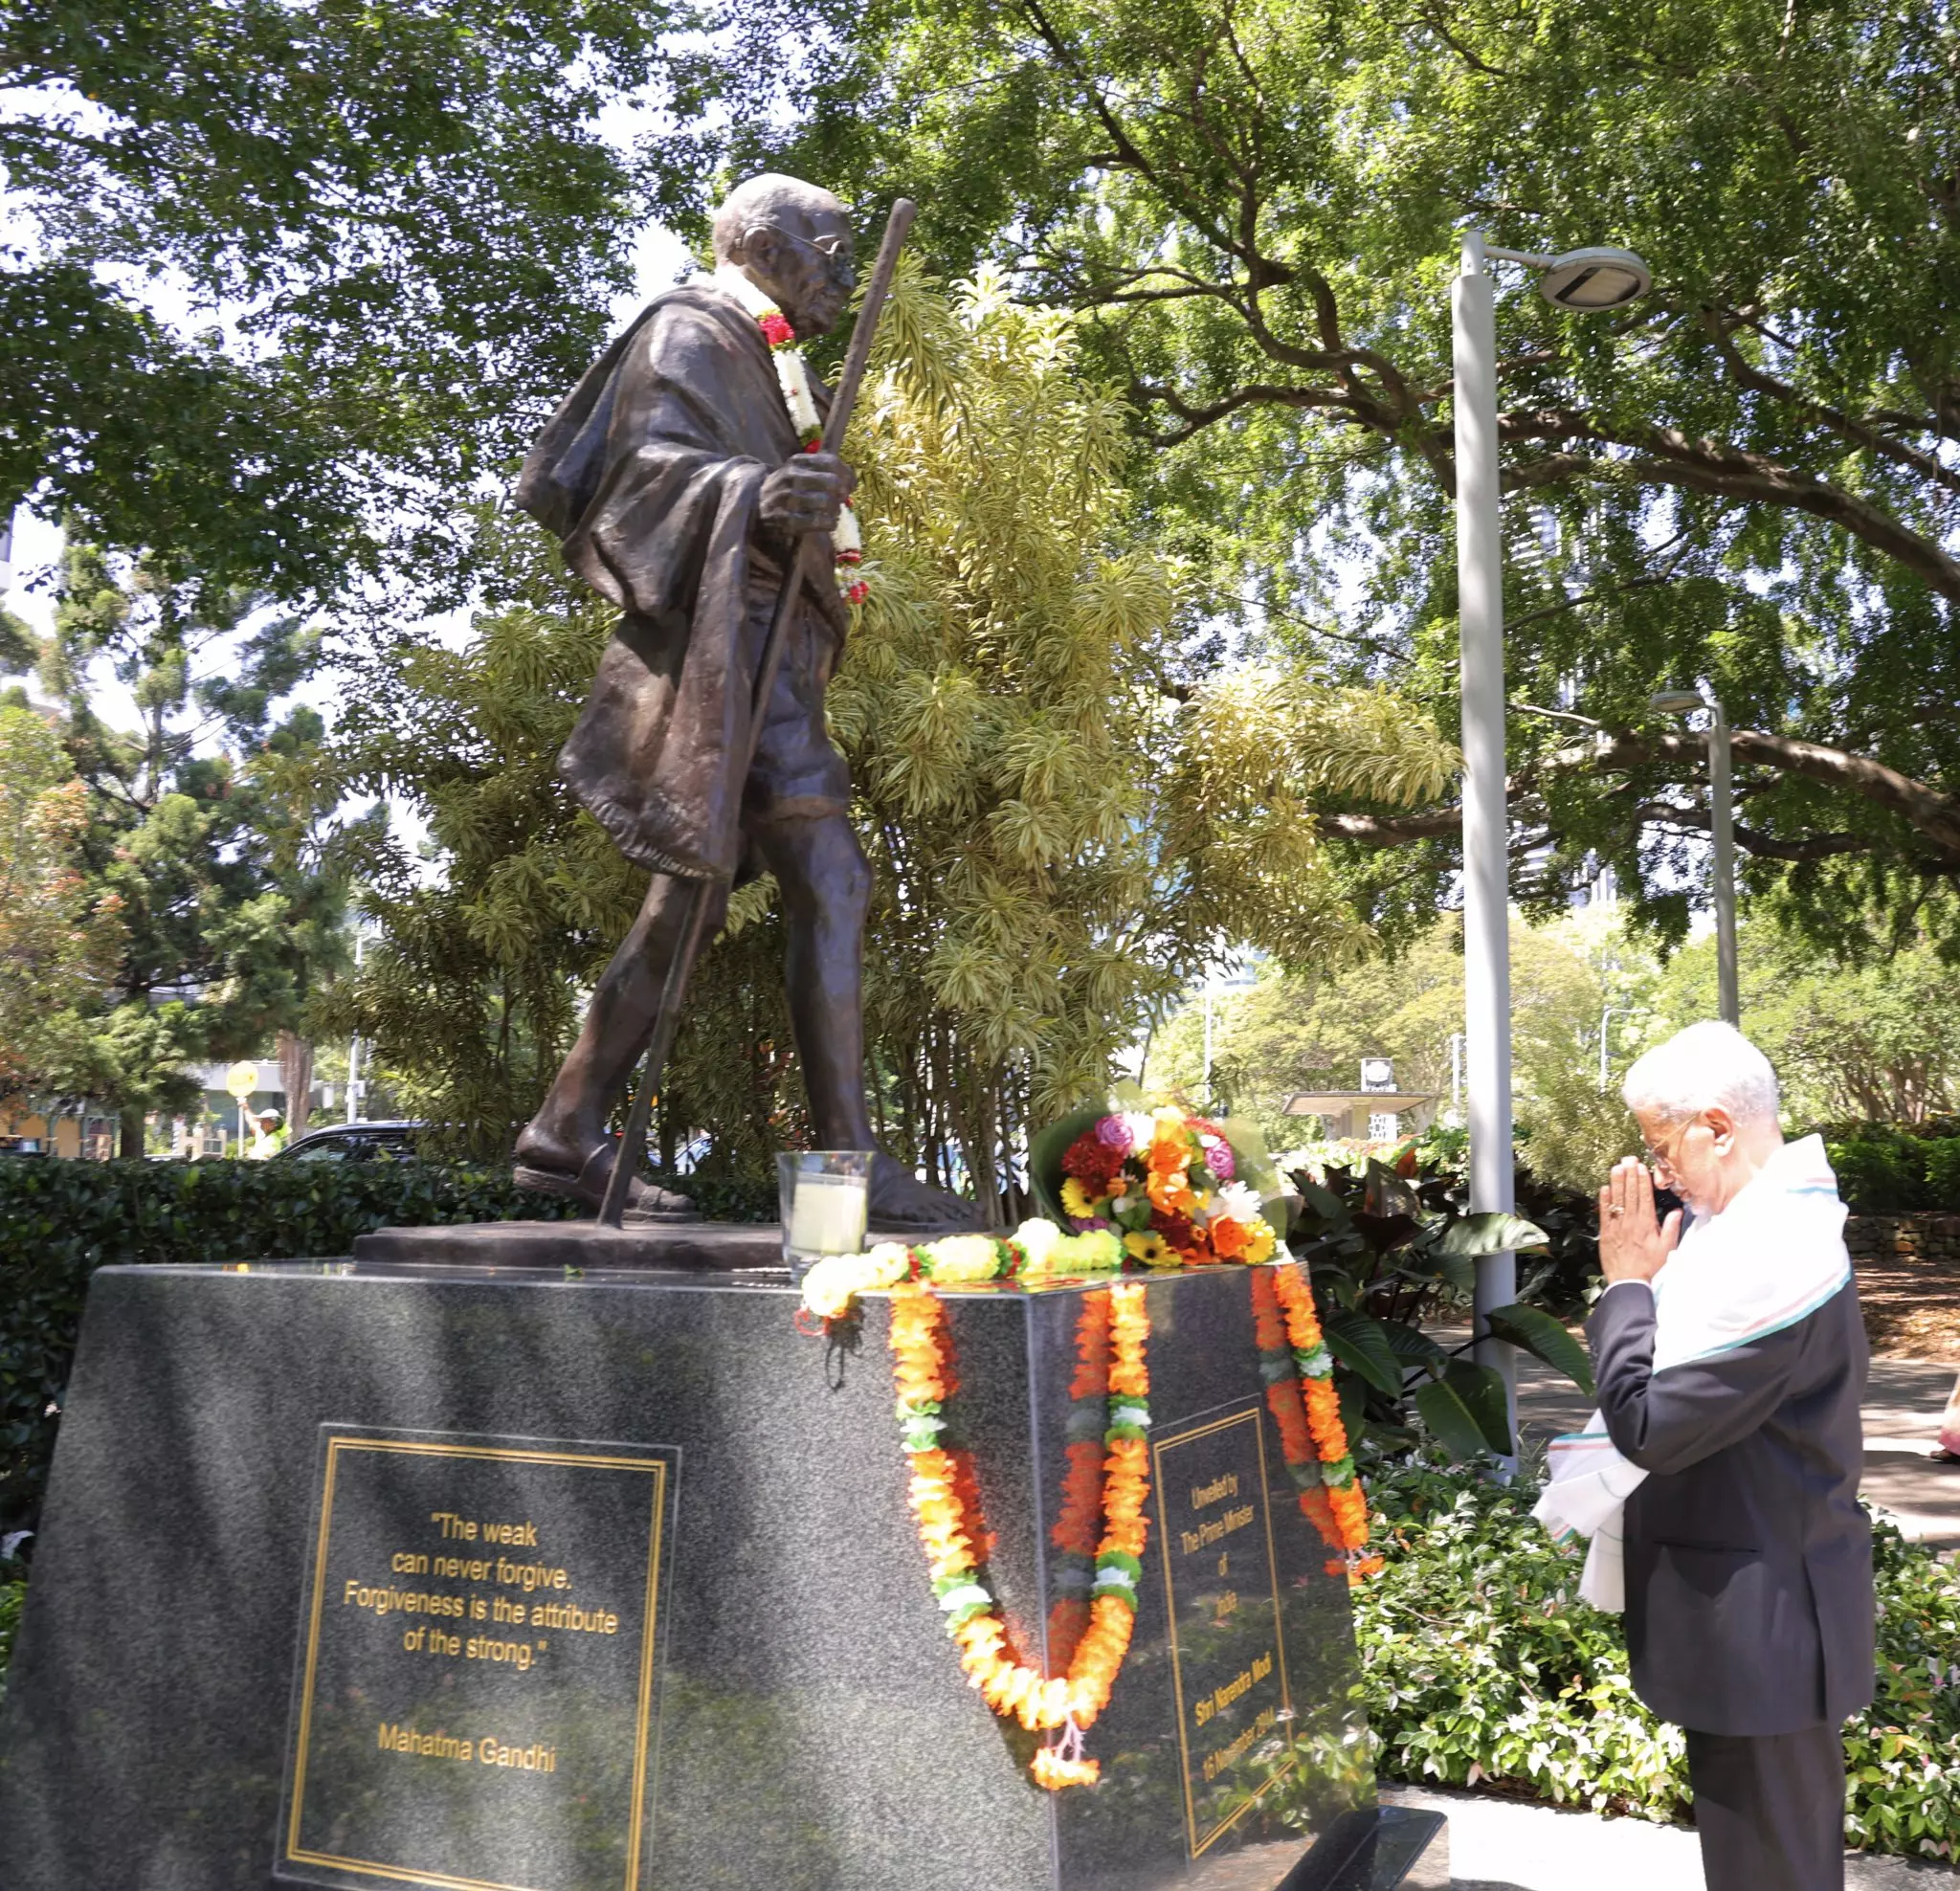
1176	1190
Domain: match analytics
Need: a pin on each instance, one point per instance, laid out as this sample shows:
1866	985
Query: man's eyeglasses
1663	1158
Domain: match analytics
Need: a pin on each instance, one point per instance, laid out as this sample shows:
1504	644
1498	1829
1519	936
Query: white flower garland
793	376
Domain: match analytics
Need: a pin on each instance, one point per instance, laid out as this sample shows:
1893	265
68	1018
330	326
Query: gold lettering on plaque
497	1571
1227	1651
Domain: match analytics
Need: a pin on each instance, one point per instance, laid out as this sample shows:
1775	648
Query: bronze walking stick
632	1141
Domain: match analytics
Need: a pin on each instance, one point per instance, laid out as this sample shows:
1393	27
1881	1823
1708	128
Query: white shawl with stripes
1771	1258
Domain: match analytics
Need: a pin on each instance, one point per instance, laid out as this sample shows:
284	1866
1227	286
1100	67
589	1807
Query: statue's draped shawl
651	473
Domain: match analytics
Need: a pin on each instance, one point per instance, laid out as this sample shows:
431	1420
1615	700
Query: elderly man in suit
1730	1358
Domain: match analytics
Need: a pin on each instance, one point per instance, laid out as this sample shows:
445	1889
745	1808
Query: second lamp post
1722	829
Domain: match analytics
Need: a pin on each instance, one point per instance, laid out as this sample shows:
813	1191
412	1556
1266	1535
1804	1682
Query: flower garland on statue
1035	1249
1077	1525
1299	1370
1125	1178
793	376
1069	1703
1165	1182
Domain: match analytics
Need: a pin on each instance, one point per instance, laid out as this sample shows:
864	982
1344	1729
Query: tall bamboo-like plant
1067	808
1068	804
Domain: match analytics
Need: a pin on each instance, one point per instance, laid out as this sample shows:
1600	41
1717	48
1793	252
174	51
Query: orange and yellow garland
1301	1395
923	1373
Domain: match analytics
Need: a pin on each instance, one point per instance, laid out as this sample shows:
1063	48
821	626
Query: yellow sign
241	1080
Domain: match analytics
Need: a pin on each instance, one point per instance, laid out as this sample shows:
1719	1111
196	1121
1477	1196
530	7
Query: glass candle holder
825	1195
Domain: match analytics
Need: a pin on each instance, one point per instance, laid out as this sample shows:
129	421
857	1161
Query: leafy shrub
1483	1667
1388	1249
1895	1168
1879	1171
61	1220
1943	1171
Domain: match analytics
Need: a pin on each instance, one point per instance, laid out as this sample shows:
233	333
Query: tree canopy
214	902
1748	480
57	943
395	228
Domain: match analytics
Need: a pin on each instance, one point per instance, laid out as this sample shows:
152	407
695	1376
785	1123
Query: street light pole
1721	816
1487	825
1580	280
1722	829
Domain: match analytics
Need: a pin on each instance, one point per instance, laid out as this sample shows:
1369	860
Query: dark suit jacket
1748	1565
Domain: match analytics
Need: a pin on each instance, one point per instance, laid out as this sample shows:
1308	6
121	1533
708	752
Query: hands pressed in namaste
1633	1245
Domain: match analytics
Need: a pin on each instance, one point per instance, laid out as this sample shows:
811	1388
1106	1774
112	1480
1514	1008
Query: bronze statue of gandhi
676	478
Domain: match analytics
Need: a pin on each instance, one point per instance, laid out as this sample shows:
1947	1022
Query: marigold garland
1073	1532
923	1373
1107	1452
1306	1408
793	376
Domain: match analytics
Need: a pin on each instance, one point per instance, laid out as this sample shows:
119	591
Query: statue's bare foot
903	1206
553	1170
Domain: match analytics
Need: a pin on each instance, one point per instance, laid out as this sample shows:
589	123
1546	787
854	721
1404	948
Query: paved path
1506	1845
1902	1423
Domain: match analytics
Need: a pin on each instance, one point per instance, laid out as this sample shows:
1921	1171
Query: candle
827	1213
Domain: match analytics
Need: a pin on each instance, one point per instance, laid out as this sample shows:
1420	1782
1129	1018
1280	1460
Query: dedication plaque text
474	1706
1228	1658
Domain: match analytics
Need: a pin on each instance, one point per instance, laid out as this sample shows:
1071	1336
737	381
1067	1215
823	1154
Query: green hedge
61	1220
1481	1667
1890	1168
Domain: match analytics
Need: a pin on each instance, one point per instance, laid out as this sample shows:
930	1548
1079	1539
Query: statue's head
794	242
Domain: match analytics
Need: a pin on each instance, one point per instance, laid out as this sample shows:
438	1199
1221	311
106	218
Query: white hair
1709	1066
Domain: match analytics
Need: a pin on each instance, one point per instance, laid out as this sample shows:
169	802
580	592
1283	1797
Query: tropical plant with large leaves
1390	1254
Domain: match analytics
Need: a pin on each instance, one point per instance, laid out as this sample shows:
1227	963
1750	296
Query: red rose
1176	1229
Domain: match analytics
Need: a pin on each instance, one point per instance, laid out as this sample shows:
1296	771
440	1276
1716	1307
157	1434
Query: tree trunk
131	1148
295	1074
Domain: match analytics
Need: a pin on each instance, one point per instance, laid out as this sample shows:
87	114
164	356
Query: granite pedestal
362	1578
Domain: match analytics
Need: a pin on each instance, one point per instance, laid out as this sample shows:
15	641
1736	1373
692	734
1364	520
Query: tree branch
1927	811
1858	432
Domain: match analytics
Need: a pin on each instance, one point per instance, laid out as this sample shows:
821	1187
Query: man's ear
1722	1126
759	248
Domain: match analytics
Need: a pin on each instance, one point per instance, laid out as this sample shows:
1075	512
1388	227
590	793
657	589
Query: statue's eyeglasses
833	249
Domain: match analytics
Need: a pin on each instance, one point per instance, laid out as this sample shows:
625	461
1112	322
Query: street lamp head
1678	701
1598	279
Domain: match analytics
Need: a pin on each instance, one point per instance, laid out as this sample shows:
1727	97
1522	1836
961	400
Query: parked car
355	1141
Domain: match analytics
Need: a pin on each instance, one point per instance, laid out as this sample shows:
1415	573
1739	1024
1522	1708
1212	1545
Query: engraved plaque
1235	1717
474	1704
